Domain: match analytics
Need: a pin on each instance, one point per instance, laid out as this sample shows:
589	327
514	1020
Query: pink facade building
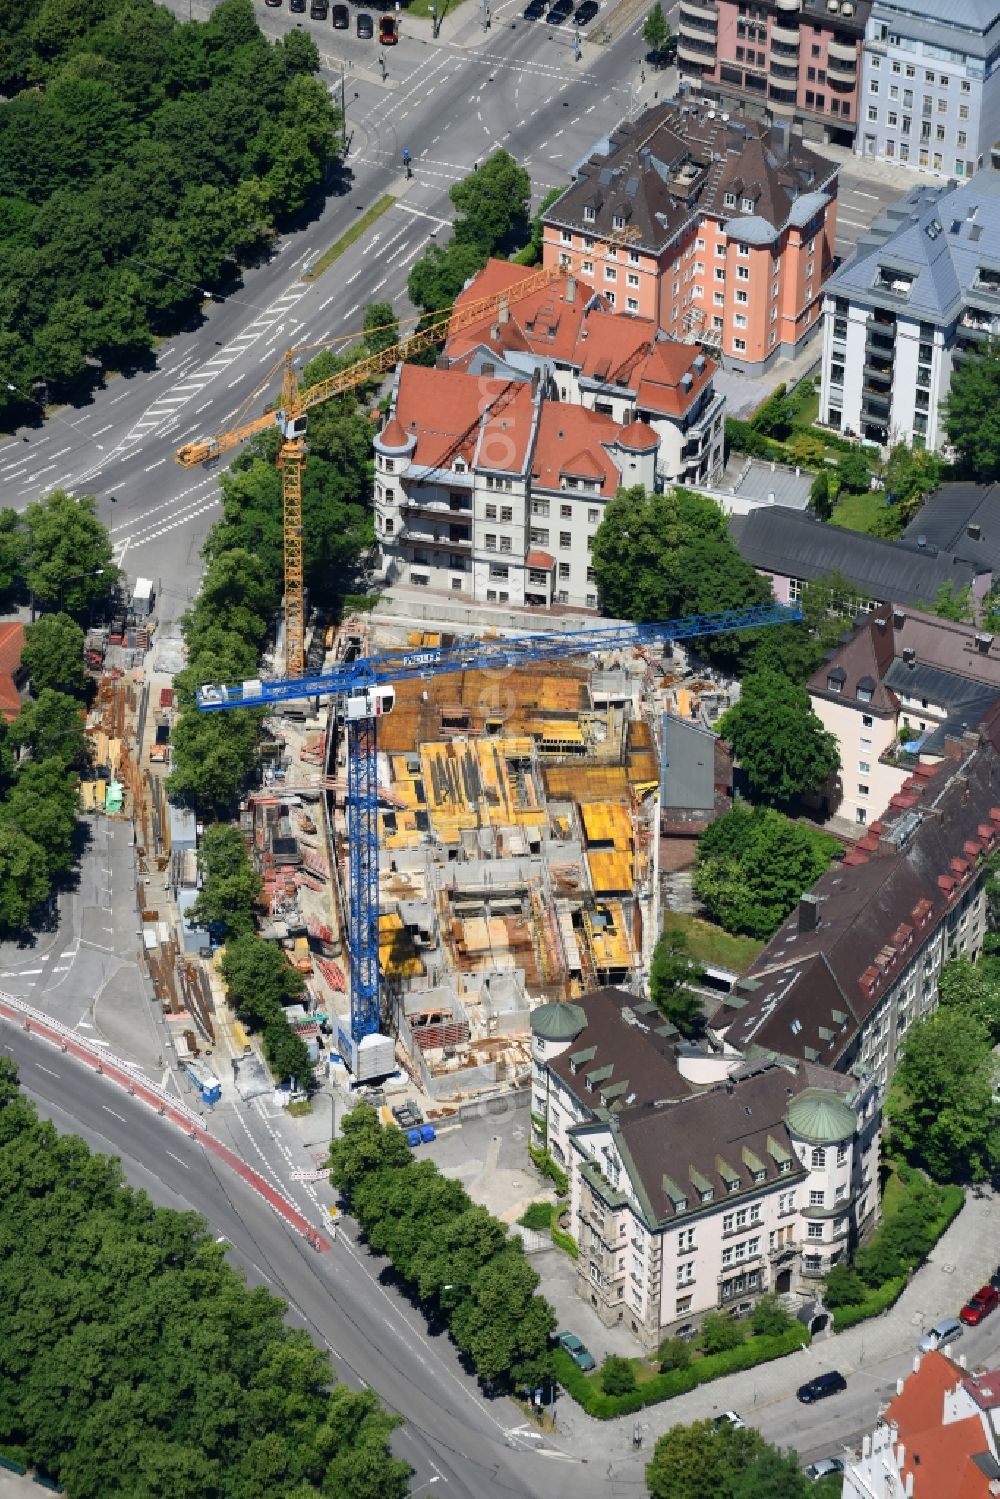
778	59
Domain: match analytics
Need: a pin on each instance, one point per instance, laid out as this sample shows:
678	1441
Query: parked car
366	26
578	1352
273	3
729	1418
319	9
824	1468
823	1385
298	6
560	12
979	1306
341	17
940	1334
534	10
388	31
995	1279
585	13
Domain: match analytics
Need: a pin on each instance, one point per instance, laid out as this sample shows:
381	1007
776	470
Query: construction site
518	849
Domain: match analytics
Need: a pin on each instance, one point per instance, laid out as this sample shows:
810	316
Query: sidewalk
962	1259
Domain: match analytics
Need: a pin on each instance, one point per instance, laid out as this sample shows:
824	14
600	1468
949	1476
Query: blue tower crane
365	687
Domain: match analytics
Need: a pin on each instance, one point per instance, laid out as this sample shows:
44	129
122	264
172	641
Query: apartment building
920	293
489	492
567	337
778	59
848	972
698	1180
792	548
712	228
930	85
937	1436
897	697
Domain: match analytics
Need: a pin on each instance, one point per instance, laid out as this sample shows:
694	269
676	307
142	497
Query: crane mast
366	694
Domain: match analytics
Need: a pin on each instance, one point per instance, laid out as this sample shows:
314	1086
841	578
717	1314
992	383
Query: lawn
857	512
805	404
424	7
711	944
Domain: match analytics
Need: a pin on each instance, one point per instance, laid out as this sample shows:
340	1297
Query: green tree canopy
258	979
754	864
230	884
671	972
492	204
381	327
972	412
53	655
69	561
820	497
854	471
973	989
24	877
909	476
778	741
656	32
51	728
702	1461
796	650
942	1104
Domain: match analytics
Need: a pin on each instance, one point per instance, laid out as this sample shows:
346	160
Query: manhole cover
948	1269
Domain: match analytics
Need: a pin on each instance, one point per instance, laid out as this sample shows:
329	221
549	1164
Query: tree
769	1318
909	476
673	1353
671	971
492	204
656	32
24	878
287	1054
972	412
780	744
942	1104
953	602
617	1375
230	884
772	1475
797	650
13	550
973	989
436	279
381	327
701	1461
753	865
720	1331
51	727
69	563
820	497
854	472
658	556
53	655
843	1287
42	804
259	980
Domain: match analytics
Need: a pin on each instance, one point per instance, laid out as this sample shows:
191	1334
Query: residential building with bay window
700	1178
715	229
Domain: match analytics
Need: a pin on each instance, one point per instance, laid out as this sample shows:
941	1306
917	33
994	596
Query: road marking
178	1160
65	968
101	430
114	1115
47	1069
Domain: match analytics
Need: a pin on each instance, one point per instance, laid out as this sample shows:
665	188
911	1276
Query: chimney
570	289
808	913
909	1485
503	311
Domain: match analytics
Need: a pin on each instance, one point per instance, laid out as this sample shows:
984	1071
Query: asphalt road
450	105
458	1443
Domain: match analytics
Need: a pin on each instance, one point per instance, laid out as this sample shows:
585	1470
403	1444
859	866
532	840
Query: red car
388	31
979	1306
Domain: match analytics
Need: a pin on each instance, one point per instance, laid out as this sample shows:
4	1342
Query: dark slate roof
945	519
735	1126
967	702
808	993
674	161
794	545
687	779
624	1041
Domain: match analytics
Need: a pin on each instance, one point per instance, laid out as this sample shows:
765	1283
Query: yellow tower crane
290	419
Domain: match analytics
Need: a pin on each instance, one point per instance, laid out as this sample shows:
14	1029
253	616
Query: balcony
842	72
442	543
696	50
702	17
781	99
785	36
878	378
781	71
875	404
980	325
782	1252
411	505
788	5
843	52
740	1267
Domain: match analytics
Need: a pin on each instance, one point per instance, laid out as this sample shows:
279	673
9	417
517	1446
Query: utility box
142	598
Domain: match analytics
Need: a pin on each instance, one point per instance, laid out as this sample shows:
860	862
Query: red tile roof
485	422
540	559
392	434
575	441
545	322
939	1456
11	646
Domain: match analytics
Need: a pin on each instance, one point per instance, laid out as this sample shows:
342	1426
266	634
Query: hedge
887	1295
564	1240
587	1392
543	1162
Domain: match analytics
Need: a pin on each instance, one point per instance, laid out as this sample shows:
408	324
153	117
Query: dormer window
835	679
865	689
589	214
729	200
707	1196
747	205
618	221
460	466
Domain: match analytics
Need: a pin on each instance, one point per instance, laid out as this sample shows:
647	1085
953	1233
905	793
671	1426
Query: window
942	106
498	571
720	249
566	237
963	111
564	569
814	1231
960	140
867	720
685	1240
742	297
873	114
729	201
818	1156
718	299
892	119
565	512
873	85
685	1273
610	273
841	1155
632	304
565	539
864	766
816	1199
491	512
505	544
506	513
894	91
739	344
593	517
540	537
743	250
611	298
720	273
740	320
743	273
588	267
490	541
966	86
540	507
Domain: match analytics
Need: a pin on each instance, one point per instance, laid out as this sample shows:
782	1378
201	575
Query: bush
538	1216
617	1375
843	1287
720	1332
770	1318
564	1241
746	439
586	1389
872	1306
544	1163
673	1353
